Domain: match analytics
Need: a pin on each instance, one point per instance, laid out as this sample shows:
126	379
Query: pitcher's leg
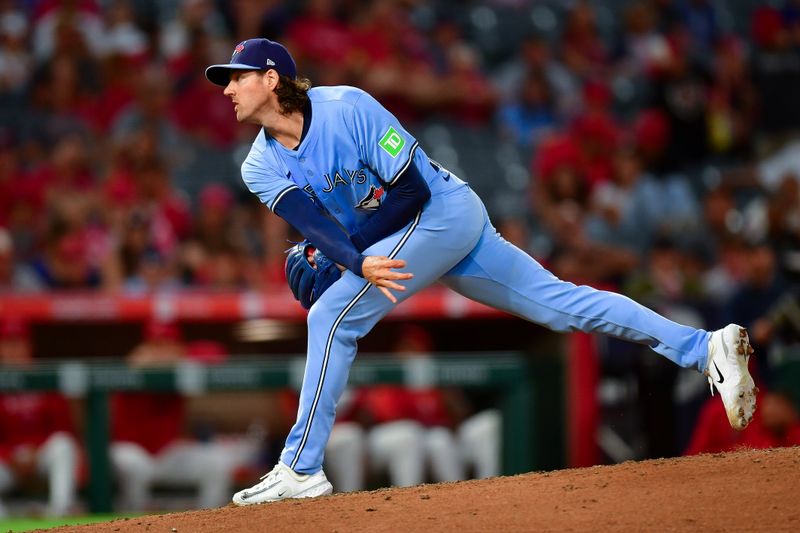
333	333
501	275
349	309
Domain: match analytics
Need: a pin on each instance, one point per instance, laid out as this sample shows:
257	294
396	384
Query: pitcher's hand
377	269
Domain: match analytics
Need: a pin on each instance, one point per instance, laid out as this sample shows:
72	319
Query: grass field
27	524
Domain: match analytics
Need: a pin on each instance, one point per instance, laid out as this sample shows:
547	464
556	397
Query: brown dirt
751	490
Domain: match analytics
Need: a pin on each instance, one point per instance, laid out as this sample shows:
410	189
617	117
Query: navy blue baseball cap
254	54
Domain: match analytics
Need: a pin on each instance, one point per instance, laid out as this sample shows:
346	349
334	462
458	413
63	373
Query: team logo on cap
239	48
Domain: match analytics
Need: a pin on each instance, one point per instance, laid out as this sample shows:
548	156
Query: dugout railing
507	374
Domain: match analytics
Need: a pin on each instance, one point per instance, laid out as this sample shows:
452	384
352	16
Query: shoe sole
746	396
322	489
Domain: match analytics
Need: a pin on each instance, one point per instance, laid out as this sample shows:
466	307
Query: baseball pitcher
338	167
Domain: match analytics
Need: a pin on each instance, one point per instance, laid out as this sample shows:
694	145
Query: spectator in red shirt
10	173
146	126
319	37
583	49
149	440
470	97
65	263
156	194
67	175
62	101
119	75
215	255
777	424
394	66
36	430
176	36
52	17
6	260
213	224
136	265
216	125
596	132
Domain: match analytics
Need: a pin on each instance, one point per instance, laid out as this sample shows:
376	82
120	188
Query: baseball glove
309	273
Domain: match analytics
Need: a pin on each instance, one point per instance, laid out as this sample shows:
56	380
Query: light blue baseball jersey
351	156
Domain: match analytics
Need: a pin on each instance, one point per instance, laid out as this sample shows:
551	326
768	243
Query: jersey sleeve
265	181
382	142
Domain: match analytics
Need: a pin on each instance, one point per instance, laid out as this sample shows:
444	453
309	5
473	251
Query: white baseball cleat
728	354
283	483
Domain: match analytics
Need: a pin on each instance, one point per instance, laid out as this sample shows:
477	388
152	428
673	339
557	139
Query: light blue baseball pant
454	242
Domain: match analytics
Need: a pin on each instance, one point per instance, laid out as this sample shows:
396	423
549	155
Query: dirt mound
744	491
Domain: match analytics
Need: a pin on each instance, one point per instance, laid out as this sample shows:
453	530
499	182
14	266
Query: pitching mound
744	491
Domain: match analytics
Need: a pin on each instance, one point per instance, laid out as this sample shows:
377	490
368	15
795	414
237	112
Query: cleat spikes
729	355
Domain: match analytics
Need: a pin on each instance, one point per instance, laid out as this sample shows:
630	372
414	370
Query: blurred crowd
659	140
119	162
659	148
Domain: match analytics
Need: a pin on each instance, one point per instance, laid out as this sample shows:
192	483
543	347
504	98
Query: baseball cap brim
221	74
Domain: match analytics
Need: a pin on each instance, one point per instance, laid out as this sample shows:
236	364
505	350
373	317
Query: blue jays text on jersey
350	157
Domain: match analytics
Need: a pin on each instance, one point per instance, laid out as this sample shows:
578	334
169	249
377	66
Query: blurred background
152	353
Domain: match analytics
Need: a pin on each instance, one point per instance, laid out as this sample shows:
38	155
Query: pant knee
60	449
484	425
440	440
399	435
346	436
131	460
319	319
217	465
393	440
6	478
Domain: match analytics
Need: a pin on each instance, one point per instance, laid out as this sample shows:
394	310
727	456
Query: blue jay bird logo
372	200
